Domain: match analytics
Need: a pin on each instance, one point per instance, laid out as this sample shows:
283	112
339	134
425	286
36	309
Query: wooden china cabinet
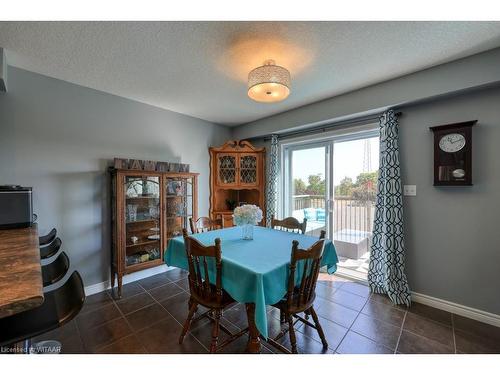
237	176
148	209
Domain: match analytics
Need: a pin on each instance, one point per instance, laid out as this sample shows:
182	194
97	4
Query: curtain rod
321	128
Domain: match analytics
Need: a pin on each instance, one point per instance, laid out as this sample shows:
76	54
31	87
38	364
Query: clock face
452	142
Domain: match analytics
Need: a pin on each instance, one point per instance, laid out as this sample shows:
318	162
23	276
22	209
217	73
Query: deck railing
348	213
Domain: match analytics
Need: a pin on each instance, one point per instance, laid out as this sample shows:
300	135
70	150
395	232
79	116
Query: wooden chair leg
318	327
282	316
193	306
291	331
215	331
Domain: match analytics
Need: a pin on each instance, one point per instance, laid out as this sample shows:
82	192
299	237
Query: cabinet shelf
141	221
143	243
143	197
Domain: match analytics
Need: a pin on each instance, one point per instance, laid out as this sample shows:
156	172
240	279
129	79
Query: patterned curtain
386	273
272	180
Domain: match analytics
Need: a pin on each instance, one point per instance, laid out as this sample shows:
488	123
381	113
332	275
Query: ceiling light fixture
269	83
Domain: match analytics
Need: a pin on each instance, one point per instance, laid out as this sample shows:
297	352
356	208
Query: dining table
254	272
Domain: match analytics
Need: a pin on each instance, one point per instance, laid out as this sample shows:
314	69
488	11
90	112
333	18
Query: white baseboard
100	287
457	309
452	307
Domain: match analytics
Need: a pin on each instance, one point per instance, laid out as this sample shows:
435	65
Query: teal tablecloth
253	270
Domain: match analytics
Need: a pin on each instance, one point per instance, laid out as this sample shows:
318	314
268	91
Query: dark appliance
16	207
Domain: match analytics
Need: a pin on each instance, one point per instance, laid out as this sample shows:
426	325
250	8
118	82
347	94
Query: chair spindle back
200	258
304	265
205	224
289	224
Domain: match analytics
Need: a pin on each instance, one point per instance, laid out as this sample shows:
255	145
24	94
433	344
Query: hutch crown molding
149	207
237	176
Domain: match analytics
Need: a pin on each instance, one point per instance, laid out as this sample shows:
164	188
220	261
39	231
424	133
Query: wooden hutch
149	207
237	176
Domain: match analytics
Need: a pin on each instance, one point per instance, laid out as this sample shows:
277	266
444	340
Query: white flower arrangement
247	214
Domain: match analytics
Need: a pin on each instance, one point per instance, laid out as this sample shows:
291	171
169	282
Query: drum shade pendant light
269	83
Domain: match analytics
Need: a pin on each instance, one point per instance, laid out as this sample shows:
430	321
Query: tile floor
148	320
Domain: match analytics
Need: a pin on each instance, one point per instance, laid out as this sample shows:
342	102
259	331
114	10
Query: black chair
58	308
51	249
55	271
48	238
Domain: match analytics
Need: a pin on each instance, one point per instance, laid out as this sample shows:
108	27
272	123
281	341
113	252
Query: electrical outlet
410	190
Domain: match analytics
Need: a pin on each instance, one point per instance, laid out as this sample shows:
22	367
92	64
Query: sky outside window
349	160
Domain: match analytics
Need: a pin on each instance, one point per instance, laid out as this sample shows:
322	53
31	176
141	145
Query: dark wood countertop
21	285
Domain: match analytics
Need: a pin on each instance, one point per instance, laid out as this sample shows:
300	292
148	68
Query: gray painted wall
59	138
452	234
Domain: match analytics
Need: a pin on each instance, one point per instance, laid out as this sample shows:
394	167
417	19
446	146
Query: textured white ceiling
200	68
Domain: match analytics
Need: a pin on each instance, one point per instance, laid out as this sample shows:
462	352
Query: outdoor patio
352	228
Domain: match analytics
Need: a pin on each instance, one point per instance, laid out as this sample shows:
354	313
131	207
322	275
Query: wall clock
453	154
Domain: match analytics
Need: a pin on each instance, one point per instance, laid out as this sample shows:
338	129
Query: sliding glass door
332	182
307	188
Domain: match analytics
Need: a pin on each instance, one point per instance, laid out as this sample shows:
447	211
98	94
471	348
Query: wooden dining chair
205	224
304	266
206	289
289	224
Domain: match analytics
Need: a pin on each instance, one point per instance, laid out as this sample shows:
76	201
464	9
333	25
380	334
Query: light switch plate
410	190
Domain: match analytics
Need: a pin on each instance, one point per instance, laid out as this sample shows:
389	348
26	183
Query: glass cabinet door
179	204
142	219
226	169
248	169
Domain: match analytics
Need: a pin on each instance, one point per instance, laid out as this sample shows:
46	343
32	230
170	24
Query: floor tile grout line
115	341
168	312
347	328
133	332
347	307
369	338
79	336
432	320
350	326
126	321
400	332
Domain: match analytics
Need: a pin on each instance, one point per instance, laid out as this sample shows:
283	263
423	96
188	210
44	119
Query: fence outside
349	213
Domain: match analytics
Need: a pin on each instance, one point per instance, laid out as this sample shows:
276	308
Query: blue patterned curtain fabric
272	180
386	274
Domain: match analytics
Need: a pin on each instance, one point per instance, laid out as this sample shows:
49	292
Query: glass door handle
329	203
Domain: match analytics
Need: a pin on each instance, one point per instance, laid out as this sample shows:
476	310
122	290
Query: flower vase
247	231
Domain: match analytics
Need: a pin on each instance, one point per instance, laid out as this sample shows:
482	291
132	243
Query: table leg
253	345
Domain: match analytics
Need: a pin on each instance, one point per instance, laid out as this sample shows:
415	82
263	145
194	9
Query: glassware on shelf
143	256
132	212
